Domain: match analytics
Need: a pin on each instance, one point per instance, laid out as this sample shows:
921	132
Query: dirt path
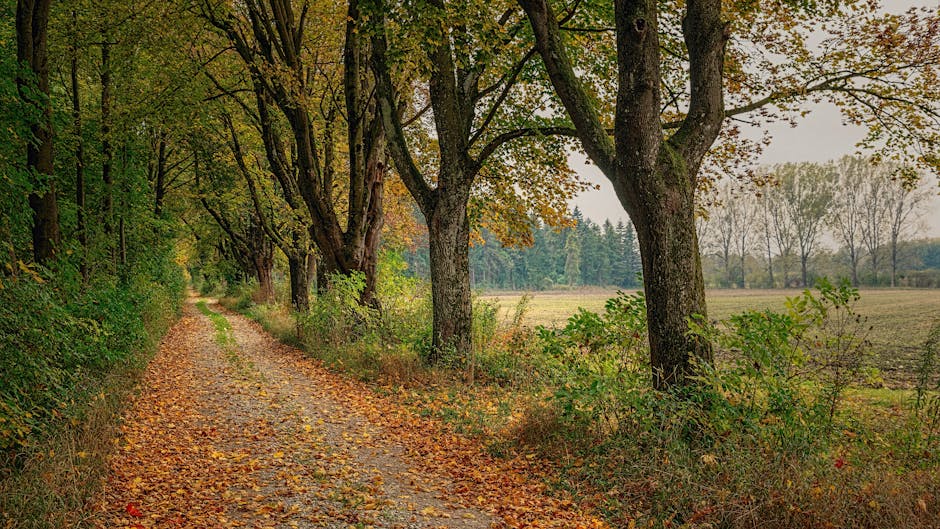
234	429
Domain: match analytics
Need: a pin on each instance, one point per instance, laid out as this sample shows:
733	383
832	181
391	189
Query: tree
572	259
782	230
476	71
874	219
904	201
288	73
806	189
658	148
654	179
32	19
767	236
848	207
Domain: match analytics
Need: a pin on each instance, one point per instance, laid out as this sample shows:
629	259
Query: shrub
53	351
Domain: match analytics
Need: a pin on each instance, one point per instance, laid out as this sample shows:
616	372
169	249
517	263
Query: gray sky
818	137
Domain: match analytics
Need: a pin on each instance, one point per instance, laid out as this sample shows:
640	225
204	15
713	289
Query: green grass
900	319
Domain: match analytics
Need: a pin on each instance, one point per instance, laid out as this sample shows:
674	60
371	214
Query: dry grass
56	476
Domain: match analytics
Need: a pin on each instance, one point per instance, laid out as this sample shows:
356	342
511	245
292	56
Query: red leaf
133	510
840	462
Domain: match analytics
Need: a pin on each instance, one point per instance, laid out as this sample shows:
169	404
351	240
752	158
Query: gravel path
229	432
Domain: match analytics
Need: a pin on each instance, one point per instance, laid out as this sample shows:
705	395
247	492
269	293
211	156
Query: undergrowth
69	357
766	437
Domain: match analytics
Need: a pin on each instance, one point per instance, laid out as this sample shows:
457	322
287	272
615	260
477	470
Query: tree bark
160	177
654	179
299	270
80	228
272	41
32	18
672	271
264	265
449	246
312	267
107	149
853	256
804	260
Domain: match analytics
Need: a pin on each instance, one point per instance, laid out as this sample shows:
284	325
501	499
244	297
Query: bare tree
806	190
874	221
733	219
766	233
903	203
848	207
781	230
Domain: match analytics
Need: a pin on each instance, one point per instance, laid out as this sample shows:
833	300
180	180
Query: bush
53	351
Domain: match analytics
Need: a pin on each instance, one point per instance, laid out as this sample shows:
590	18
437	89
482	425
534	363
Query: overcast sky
818	137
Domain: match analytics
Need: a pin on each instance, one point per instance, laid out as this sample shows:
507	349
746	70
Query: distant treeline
585	254
849	218
918	266
852	217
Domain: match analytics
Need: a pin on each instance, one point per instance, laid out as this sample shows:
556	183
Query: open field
900	318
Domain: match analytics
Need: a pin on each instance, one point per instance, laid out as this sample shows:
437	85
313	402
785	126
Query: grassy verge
68	370
225	339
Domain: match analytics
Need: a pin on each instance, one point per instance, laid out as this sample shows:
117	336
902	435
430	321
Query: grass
60	474
900	319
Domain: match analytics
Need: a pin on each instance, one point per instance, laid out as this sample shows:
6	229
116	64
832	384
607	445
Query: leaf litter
249	432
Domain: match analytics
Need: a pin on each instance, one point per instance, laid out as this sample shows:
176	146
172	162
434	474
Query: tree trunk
376	167
80	228
122	242
160	184
32	18
803	260
312	269
264	266
854	257
107	149
894	261
673	280
449	245
770	265
298	266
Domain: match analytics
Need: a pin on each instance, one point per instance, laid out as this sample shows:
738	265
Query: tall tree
286	68
848	207
658	147
874	220
904	202
572	259
766	234
32	19
654	179
473	63
81	227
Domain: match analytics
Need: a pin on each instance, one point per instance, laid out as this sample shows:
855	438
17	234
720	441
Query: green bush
56	340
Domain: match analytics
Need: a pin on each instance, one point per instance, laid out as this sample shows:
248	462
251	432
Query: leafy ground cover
70	356
233	429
